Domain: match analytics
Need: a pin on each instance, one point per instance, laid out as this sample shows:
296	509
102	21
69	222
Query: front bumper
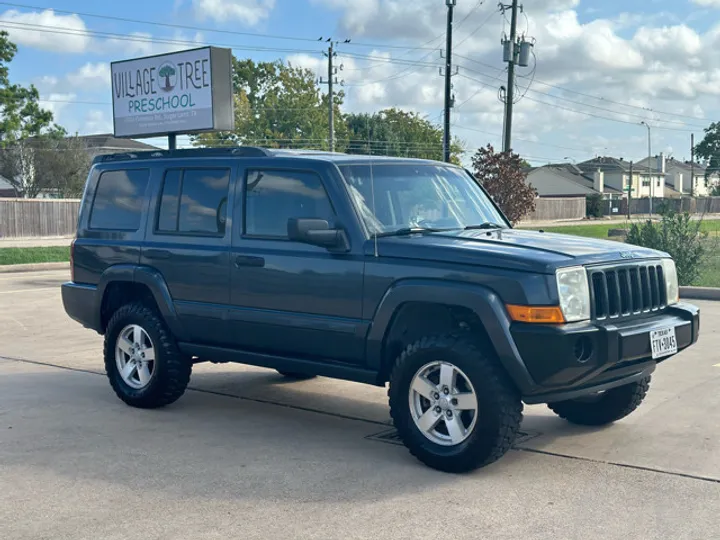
568	361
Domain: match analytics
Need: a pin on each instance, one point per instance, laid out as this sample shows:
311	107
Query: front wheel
142	361
452	405
604	407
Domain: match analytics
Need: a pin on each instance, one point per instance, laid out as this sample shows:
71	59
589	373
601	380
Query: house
646	181
6	189
679	174
568	180
106	143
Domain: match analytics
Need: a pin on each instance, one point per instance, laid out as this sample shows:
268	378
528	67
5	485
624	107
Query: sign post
170	94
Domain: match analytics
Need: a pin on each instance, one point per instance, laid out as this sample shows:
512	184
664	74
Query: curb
36	267
700	293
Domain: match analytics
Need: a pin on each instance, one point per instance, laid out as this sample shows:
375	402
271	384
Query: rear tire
478	437
604	408
296	376
142	361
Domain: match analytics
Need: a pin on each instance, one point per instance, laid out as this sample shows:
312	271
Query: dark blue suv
372	270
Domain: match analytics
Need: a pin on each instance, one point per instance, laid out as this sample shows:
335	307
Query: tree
394	132
501	174
167	71
62	165
279	106
709	149
678	235
22	123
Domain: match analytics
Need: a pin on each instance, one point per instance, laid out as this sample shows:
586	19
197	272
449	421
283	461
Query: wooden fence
23	218
552	209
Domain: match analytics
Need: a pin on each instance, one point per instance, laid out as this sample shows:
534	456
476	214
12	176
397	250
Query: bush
593	205
676	234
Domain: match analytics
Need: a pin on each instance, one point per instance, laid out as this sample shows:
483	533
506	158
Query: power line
591	96
574	149
198	28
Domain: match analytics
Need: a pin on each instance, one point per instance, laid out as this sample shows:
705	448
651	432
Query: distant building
568	180
646	181
6	189
679	175
98	145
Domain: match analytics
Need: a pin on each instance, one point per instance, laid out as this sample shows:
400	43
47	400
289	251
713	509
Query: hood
530	251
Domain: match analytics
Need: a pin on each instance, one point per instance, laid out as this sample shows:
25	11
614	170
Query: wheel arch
442	306
121	284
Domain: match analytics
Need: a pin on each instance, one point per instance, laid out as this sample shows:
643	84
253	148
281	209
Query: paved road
245	454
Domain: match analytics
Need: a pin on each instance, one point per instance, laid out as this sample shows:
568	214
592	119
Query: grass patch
600	230
34	255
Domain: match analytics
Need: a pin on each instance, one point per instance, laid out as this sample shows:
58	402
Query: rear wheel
604	407
142	361
452	405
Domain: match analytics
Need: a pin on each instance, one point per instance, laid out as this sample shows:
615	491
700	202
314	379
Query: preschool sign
182	92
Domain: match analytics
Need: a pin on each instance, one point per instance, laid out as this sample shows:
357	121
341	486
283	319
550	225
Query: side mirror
316	232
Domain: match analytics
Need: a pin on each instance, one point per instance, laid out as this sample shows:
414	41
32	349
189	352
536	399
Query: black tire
295	375
172	369
499	404
604	408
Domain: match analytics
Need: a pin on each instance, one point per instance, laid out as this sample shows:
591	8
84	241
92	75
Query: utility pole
448	79
331	80
629	190
692	164
510	93
649	165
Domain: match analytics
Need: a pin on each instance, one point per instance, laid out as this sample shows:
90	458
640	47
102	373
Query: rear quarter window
119	200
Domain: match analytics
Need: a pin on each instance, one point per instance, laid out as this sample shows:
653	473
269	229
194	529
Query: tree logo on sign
168	73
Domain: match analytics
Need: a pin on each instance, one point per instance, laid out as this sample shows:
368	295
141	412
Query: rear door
188	241
290	298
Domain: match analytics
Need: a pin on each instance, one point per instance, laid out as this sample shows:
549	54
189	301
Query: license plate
663	342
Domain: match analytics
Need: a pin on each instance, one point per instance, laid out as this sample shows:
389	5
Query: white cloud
90	76
56	102
34	29
249	12
145	44
707	3
96	121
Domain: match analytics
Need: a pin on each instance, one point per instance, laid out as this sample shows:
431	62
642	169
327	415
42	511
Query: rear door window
119	200
194	202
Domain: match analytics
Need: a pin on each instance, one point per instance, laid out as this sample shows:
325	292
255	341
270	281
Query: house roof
604	163
574	174
107	141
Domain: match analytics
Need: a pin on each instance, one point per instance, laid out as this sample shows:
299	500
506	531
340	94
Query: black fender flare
484	302
152	279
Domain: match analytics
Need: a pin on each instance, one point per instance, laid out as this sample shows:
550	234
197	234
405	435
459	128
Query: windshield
405	195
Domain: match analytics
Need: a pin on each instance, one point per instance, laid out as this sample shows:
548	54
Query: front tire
452	405
142	361
604	408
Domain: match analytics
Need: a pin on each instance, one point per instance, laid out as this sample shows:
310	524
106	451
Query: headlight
672	290
574	293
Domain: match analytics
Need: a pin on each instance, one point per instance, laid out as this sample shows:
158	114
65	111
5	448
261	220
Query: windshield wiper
486	225
409	230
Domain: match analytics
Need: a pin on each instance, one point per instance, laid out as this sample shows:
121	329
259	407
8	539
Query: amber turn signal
536	314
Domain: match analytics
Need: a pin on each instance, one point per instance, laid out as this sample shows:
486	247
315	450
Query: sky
600	67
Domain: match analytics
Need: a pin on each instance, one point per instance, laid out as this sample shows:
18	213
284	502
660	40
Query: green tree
22	124
279	106
502	176
394	132
709	149
167	71
678	235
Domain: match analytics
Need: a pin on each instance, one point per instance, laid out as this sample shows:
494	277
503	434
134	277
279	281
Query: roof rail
235	151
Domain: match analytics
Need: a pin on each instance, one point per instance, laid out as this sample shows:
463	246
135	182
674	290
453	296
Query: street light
644	123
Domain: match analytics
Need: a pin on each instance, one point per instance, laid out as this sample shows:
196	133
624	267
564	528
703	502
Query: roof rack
235	151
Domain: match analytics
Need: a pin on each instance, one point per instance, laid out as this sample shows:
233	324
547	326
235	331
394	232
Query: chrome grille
624	291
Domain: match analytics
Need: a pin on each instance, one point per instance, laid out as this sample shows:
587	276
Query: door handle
246	260
157	253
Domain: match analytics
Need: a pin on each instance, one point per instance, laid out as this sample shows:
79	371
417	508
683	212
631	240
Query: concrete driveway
246	454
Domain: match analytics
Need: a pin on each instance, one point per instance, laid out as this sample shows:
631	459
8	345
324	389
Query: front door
289	298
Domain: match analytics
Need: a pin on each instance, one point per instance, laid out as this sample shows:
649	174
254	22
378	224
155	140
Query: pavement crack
623	465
